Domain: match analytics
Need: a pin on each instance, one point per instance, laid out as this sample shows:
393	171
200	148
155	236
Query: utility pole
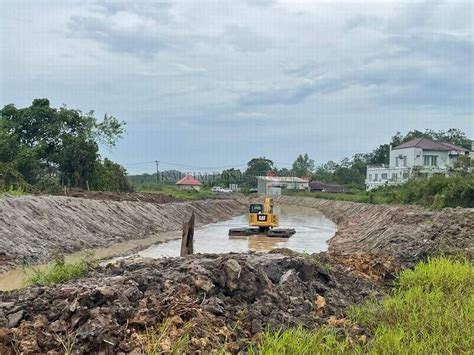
157	173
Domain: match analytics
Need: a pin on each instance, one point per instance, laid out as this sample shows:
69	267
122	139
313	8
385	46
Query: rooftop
189	180
324	186
282	178
428	144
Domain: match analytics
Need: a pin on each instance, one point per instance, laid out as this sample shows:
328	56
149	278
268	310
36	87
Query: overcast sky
213	84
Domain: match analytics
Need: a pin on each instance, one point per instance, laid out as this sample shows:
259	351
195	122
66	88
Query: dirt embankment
122	196
31	227
218	300
405	233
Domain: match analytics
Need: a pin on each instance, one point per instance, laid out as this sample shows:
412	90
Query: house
417	157
189	183
272	185
319	186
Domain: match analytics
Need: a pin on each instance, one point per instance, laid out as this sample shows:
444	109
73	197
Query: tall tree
259	167
303	165
50	143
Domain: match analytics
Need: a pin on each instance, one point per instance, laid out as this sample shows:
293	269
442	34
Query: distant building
272	185
319	186
417	157
189	183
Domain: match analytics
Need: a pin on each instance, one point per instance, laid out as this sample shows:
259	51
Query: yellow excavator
262	221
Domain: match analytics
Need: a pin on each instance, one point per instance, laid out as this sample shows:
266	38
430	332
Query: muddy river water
312	232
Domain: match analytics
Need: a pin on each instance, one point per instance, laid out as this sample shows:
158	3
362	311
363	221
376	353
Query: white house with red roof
189	183
417	157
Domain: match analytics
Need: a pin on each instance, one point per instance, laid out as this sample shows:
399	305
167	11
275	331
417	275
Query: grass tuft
156	340
60	271
13	191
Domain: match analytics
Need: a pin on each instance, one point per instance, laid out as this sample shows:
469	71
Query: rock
288	277
108	292
216	310
132	293
6	305
320	305
231	274
203	284
14	319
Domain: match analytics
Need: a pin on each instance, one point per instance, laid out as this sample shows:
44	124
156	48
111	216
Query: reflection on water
312	232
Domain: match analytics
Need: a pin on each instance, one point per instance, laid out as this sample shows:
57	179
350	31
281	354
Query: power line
147	163
155	162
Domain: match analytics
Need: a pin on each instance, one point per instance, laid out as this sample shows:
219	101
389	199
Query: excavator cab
256	208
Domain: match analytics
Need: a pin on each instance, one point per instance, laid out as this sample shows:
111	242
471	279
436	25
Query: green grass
60	271
175	192
156	340
13	191
430	312
364	197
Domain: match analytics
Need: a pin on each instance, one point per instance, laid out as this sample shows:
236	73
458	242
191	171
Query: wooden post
187	238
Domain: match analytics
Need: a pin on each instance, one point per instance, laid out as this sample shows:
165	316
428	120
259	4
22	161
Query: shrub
60	271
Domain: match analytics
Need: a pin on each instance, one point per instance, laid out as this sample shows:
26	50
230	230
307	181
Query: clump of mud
215	301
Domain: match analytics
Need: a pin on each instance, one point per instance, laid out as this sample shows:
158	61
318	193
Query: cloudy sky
210	85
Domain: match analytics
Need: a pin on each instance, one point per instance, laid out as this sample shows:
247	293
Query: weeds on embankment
435	193
431	311
13	191
175	191
60	271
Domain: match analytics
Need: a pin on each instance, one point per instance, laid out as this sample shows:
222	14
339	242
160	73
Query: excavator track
274	232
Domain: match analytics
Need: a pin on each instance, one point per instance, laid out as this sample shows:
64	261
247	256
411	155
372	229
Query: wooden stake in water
187	238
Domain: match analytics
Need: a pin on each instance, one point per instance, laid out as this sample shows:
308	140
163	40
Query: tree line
350	172
46	148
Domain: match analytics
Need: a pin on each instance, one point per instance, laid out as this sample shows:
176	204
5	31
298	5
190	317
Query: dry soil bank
32	227
404	233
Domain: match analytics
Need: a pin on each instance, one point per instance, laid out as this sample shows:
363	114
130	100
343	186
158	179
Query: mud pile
32	227
405	233
216	300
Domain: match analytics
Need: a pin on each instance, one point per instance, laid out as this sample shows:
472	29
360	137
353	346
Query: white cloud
284	77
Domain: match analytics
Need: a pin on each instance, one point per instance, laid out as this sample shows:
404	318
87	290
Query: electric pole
157	173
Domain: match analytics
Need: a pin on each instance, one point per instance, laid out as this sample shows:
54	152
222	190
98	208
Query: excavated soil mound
217	300
122	196
406	234
32	227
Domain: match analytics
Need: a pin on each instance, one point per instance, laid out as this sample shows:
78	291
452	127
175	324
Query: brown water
13	279
312	232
